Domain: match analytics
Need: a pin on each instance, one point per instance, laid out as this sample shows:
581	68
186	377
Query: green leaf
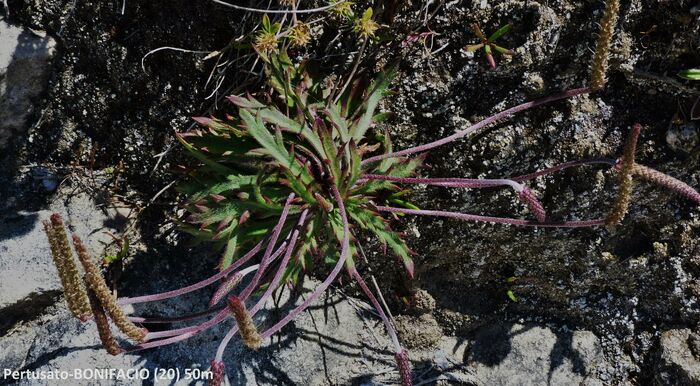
377	88
258	130
511	295
213	165
502	50
229	253
276	117
377	225
691	74
338	122
233	182
248	102
500	32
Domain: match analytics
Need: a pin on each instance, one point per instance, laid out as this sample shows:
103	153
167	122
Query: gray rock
25	63
28	278
676	363
534	355
327	346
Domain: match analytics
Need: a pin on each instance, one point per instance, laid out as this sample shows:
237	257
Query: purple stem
268	251
485	122
162	342
500	220
248	290
387	323
448	182
223	314
273	285
196	286
137	319
327	282
566	165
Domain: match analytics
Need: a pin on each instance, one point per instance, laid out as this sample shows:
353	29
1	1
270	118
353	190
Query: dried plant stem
602	52
499	220
485	122
108	342
73	286
97	284
400	353
625	183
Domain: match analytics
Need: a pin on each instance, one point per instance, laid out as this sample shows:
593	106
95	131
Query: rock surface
27	272
25	64
679	360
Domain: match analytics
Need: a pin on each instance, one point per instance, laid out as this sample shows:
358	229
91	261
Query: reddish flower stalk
563	166
156	320
268	252
195	286
485	122
329	279
524	193
400	353
274	283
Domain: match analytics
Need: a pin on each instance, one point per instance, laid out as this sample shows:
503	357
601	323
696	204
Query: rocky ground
86	129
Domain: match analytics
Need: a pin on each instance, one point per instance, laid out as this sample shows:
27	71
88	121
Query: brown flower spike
95	281
74	289
602	51
659	178
110	344
625	167
246	327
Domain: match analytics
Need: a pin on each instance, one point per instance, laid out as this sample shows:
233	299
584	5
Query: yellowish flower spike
108	342
625	184
97	284
266	41
246	326
342	9
365	26
73	287
602	51
300	34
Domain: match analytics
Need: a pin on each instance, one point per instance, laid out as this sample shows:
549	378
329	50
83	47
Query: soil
111	112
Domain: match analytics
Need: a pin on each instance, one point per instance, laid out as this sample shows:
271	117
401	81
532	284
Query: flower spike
73	286
99	287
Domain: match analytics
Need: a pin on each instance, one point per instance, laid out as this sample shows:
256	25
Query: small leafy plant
297	177
489	44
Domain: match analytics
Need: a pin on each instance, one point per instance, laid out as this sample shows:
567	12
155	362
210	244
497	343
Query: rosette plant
292	181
